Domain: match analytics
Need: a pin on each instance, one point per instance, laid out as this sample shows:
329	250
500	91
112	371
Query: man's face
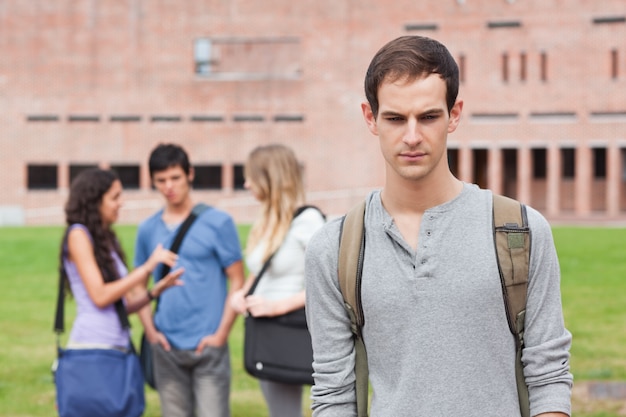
173	184
412	126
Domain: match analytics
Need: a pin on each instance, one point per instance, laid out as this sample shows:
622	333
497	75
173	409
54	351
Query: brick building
88	82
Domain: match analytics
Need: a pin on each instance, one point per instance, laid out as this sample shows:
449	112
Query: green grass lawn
594	299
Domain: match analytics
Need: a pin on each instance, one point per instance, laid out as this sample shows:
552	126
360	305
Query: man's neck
176	213
418	196
406	201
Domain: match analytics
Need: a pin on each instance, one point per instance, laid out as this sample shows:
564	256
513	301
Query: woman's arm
237	300
80	251
259	306
139	296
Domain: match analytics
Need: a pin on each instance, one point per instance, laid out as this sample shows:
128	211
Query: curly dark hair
83	207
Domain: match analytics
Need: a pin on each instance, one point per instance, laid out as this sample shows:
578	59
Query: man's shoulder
327	236
149	221
214	220
213	214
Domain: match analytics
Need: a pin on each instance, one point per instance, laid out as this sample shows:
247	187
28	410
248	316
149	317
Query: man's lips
412	155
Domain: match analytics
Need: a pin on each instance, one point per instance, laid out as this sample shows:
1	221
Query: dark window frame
42	177
129	174
208	177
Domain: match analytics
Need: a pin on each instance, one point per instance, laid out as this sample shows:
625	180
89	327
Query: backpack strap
349	269
512	240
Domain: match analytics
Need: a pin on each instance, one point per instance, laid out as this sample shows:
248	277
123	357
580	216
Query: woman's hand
262	307
168	281
158	256
238	301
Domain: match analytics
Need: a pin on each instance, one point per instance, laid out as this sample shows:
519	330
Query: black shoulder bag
145	352
278	348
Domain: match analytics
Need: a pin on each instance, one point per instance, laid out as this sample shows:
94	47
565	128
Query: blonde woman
274	177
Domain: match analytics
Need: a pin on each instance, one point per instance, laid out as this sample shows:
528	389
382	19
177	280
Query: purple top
94	325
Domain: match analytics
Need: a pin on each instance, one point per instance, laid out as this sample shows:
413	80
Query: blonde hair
277	177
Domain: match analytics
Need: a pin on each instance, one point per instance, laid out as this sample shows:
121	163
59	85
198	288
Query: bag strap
59	317
266	265
512	240
349	269
197	210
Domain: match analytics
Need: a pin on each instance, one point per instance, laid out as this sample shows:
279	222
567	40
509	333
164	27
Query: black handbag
145	349
278	348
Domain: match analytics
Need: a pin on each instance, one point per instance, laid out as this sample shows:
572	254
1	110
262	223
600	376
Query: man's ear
455	115
370	119
191	176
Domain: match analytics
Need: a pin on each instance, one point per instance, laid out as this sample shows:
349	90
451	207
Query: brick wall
85	82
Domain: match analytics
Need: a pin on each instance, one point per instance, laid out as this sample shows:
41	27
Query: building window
42	118
207	177
522	66
245	59
481	162
609	20
543	63
568	162
129	175
125	118
504	24
410	27
76	169
599	163
248	118
289	118
164	118
42	177
539	156
505	67
206	118
74	118
202	50
614	64
453	161
238	177
509	161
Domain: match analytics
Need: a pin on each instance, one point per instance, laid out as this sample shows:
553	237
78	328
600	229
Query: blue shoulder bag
96	382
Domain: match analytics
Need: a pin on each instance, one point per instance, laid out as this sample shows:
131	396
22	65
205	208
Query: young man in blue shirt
190	328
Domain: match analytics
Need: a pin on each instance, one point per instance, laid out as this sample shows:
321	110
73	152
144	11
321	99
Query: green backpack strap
350	268
512	241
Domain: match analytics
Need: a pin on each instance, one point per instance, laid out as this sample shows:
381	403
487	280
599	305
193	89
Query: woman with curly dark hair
96	264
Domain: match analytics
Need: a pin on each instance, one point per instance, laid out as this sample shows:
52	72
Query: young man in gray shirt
436	332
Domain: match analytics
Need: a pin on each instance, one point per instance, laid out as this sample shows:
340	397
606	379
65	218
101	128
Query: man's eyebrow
388	113
433	111
391	113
